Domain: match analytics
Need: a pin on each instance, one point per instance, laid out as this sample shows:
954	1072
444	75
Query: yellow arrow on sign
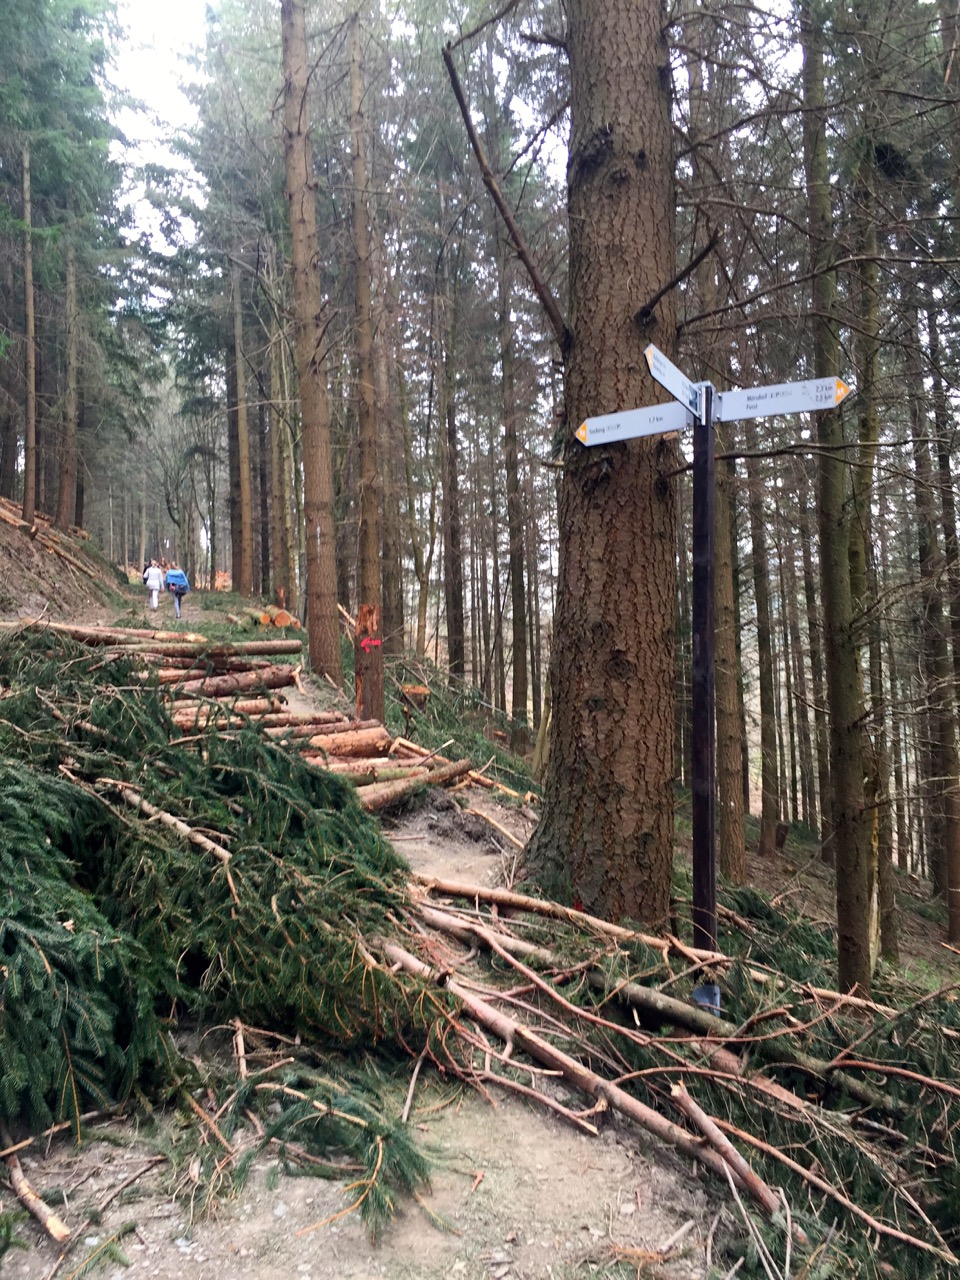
842	391
582	433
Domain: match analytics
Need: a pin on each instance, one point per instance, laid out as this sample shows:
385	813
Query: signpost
784	397
670	377
634	422
698	403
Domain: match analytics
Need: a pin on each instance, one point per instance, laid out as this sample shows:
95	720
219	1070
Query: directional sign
783	397
634	422
676	382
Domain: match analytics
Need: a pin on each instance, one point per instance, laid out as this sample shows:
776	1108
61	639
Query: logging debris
170	855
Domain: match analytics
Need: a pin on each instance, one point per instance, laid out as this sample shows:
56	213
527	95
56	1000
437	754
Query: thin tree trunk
243	572
322	619
67	495
943	779
856	880
368	655
769	780
30	344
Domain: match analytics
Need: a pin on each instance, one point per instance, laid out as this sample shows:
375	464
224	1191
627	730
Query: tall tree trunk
518	599
234	503
30	343
67	495
322	623
452	542
391	455
369	653
943	779
606	835
811	596
263	583
856	879
242	572
769	778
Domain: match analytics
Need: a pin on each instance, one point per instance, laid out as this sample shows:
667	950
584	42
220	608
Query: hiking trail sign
699	405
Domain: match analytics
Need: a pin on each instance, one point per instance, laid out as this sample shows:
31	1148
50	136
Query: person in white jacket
153	581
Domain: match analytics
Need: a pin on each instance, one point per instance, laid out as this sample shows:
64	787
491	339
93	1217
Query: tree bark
369	587
242	572
30	343
67	494
856	880
606	835
769	779
309	337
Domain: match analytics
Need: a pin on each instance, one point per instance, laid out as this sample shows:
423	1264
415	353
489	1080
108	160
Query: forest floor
515	1194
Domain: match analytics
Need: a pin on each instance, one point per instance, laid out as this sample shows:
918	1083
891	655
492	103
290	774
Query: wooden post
368	663
703	732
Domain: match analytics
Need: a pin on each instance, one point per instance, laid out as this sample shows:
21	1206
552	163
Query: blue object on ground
708	996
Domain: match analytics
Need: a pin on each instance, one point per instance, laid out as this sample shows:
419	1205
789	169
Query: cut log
315	728
240	682
187	708
259	616
180	670
278	720
97	635
366	777
281	617
359	742
380	795
368	764
472	775
53	544
191	715
212	652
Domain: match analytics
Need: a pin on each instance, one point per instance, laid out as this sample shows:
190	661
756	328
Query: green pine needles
147	878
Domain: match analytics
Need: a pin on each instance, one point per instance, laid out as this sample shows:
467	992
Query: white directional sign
784	397
675	381
652	421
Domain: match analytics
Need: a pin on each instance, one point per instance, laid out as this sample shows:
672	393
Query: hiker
178	583
153	581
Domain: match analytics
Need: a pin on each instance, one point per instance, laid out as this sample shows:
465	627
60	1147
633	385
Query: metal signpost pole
703	734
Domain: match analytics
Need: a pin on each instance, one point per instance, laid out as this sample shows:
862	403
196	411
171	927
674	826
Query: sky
150	65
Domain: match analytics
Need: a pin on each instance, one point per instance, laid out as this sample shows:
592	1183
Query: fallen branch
54	1225
137	801
581	1077
725	1148
821	1184
507	835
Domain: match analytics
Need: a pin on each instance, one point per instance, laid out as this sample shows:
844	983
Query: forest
408	250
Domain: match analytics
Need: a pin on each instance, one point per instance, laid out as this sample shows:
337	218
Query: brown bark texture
605	839
368	663
30	344
322	626
369	671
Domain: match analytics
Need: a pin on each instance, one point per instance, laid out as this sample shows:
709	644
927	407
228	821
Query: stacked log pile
229	685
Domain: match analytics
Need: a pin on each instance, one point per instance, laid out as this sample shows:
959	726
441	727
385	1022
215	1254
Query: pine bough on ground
149	880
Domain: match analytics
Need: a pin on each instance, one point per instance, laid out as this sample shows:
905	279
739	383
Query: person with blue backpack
178	584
